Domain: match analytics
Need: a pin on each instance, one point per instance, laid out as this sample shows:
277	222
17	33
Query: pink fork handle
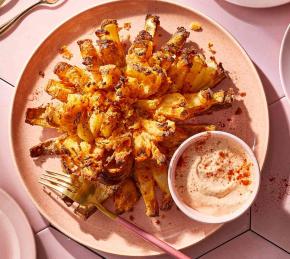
152	239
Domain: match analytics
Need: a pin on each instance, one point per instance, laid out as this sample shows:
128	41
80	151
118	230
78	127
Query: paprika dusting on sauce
215	176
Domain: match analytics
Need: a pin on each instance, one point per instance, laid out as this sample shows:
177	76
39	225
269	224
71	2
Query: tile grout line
51	226
251	218
268	240
39	231
7	82
280	98
223	243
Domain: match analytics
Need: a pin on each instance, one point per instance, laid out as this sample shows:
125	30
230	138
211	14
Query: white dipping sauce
214	176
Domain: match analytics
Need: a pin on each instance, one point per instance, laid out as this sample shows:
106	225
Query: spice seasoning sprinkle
216	176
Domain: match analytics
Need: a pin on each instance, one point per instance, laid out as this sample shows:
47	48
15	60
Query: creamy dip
214	176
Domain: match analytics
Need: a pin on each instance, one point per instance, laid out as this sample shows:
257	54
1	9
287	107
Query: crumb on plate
41	73
127	26
195	26
210	47
64	51
238	111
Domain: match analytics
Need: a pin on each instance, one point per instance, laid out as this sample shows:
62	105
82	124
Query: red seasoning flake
180	162
131	218
231	172
206	165
158	222
199	145
208	175
272	179
221	124
245	182
222	154
243	94
41	73
238	111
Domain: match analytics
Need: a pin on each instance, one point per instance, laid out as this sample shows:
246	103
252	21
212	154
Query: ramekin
199	216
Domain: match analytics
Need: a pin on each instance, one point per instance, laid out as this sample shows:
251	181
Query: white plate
259	3
16	238
284	63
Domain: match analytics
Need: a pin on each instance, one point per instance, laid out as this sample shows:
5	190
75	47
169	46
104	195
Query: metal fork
83	193
2	2
6	26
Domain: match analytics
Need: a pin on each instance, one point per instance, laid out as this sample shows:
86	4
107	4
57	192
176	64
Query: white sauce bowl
199	216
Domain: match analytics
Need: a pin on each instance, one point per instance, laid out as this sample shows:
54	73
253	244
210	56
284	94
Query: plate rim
102	3
15	204
257	7
282	49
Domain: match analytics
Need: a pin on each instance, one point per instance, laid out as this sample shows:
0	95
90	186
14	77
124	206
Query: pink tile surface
248	245
259	35
271	211
227	232
260	32
52	244
33	29
9	179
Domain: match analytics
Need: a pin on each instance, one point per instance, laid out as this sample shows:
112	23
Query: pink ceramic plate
248	119
259	3
284	63
16	239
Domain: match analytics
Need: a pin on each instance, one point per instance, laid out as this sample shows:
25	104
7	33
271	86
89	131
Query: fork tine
58	173
60	189
57	193
58	177
55	181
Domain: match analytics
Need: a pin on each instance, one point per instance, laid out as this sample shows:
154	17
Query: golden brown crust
58	90
61	68
122	117
145	182
126	196
105	22
101	32
49	147
154	18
